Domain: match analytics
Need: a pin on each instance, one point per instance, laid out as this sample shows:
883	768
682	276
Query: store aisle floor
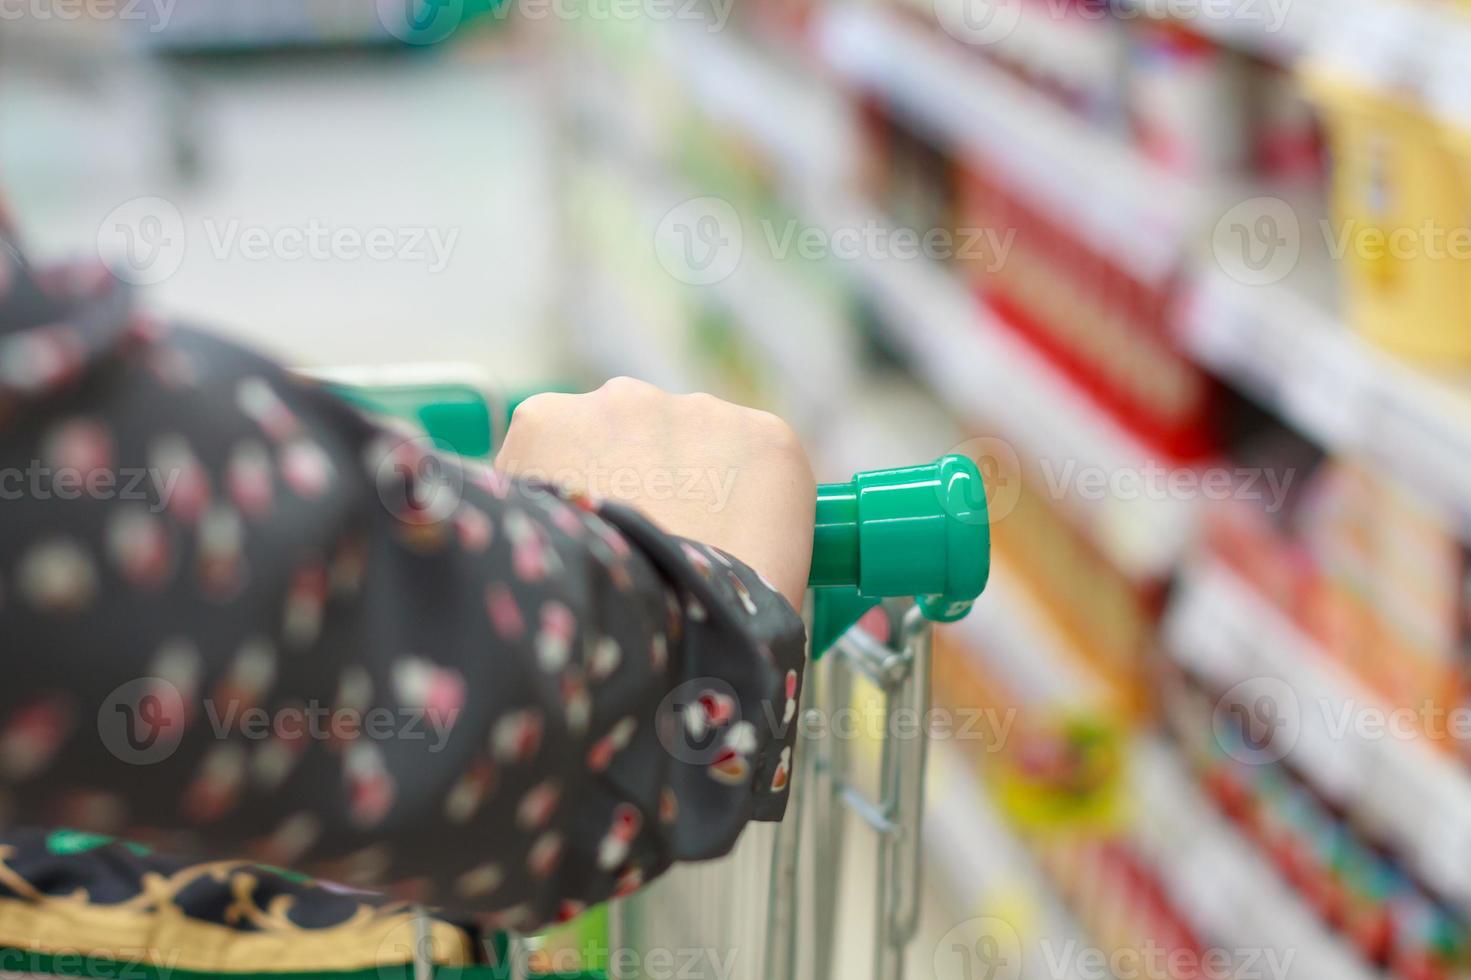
444	157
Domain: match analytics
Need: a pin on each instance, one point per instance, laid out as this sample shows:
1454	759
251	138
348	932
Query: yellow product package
1398	227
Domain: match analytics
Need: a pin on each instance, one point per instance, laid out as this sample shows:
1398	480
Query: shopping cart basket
915	541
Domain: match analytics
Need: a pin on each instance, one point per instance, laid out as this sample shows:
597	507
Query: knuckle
536	408
705	402
623	386
776	434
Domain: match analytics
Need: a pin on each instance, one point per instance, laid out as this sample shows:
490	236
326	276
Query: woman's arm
238	620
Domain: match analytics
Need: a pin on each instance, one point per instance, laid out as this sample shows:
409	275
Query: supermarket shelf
1014	639
975	366
612	335
813	137
1122	203
983	371
1274	31
806	341
1221	881
895	423
1285	346
1217	878
1413	796
989	871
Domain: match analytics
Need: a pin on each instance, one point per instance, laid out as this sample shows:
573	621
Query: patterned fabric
242	623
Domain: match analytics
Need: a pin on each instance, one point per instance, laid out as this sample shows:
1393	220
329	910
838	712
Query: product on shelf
1287	144
910	175
1100	324
1189	100
1399	205
1107	618
1355	886
1374	574
1449	97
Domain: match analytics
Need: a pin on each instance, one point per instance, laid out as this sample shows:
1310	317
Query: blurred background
1191	279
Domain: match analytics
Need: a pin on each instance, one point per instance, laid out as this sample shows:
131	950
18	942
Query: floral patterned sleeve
229	634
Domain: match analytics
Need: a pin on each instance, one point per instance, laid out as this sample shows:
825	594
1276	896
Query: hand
698	467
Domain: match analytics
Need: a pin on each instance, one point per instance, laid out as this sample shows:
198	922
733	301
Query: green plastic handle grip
915	531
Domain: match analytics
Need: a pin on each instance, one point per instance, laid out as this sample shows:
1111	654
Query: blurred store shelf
1119	201
815	367
1219	881
1284	345
1272	30
983	372
1222	881
987	869
1404	790
1015	641
740	85
979	370
614	335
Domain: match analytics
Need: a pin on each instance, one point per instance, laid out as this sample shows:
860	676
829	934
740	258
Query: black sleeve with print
233	631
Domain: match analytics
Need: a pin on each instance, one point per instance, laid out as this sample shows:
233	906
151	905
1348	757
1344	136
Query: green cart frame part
460	409
99	968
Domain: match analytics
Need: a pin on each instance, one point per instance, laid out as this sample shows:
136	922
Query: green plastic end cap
962	494
923	530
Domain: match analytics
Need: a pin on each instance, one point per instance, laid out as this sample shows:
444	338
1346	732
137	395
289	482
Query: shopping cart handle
915	531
